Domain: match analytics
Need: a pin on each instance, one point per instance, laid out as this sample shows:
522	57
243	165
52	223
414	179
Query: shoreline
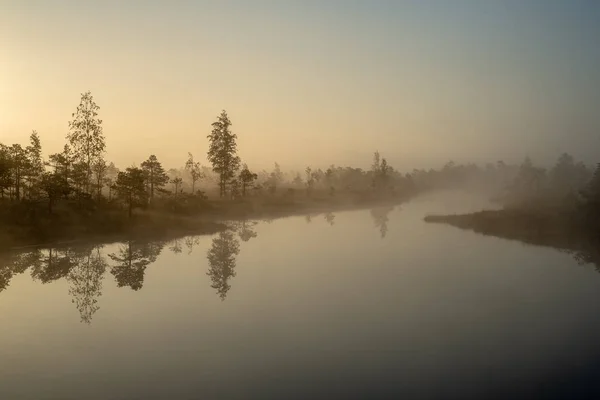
533	227
164	226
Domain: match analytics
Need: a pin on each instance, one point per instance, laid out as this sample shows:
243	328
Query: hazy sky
309	82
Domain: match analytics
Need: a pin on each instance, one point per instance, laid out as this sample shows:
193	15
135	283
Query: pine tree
35	165
53	185
222	152
131	189
63	167
86	136
247	179
155	175
19	167
177	182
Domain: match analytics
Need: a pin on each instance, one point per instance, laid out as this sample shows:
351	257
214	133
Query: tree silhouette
86	136
275	178
35	165
19	165
99	168
131	189
177	182
154	174
528	181
54	186
195	170
222	151
222	261
376	166
247	179
310	180
380	171
63	165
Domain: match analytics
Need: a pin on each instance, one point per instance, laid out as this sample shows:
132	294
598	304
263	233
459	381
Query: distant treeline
559	207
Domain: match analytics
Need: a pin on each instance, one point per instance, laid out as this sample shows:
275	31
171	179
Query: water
362	304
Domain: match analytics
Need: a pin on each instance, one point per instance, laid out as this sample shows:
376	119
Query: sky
309	82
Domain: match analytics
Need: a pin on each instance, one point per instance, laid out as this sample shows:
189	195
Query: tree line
80	177
81	173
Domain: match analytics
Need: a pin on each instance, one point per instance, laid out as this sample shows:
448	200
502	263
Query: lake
362	304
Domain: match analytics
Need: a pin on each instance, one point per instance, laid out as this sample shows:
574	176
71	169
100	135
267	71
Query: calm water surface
351	305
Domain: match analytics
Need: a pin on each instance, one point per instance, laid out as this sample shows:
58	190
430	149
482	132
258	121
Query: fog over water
311	307
299	199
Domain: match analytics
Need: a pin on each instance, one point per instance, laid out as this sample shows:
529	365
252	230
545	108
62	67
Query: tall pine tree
155	175
222	151
86	136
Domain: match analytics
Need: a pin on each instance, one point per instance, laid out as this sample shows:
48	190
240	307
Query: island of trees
558	208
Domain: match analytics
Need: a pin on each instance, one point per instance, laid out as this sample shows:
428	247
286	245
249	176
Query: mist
299	199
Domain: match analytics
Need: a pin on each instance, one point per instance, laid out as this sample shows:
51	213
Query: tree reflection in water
330	218
588	252
381	218
176	246
131	261
14	263
222	261
57	264
246	230
191	242
84	267
85	281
